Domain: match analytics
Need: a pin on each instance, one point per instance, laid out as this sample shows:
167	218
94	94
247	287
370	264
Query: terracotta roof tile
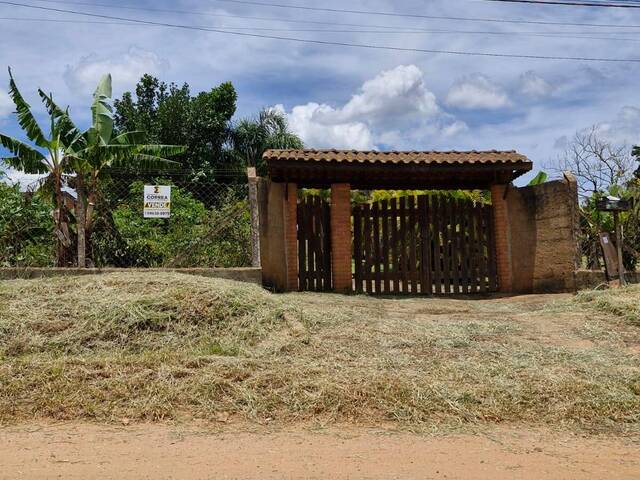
426	157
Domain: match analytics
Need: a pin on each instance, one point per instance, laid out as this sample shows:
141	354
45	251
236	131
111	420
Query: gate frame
343	170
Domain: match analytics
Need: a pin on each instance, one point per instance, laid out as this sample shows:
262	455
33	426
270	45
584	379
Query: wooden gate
424	245
314	244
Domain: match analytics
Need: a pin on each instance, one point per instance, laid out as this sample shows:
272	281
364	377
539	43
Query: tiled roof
428	157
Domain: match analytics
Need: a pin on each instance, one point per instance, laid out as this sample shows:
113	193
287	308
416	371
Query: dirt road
83	451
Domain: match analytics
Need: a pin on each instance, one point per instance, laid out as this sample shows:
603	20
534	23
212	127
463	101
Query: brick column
503	237
341	237
291	236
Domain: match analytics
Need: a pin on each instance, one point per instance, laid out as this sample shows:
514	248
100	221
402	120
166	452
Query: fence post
255	216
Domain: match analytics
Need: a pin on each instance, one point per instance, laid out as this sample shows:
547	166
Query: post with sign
615	205
157	201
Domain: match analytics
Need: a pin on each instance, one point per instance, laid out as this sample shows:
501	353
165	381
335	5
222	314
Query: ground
160	452
162	371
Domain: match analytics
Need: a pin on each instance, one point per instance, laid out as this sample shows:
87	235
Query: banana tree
100	148
46	155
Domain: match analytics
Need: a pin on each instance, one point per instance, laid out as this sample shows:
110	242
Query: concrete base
250	275
586	279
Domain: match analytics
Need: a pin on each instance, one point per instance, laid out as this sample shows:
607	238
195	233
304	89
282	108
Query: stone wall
543	227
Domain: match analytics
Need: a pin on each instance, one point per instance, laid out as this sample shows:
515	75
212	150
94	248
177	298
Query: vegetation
195	236
603	168
249	139
144	347
45	155
77	158
26	229
170	115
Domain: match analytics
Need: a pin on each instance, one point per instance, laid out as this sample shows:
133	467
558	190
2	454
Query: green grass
148	346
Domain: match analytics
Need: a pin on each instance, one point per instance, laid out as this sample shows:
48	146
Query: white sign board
157	201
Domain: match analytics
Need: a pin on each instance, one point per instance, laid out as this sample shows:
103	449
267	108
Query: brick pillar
341	237
291	236
503	237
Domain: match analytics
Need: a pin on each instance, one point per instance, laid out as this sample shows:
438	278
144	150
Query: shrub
26	229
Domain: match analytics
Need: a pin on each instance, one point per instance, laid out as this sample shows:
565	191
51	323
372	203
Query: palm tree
249	140
46	156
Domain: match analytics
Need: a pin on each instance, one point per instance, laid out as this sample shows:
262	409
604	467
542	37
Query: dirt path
161	452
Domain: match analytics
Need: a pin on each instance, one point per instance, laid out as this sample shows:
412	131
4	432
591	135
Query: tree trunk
81	221
60	224
255	216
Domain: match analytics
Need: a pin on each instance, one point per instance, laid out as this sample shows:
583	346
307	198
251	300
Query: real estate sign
157	201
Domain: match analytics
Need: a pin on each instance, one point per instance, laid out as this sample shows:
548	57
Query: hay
149	347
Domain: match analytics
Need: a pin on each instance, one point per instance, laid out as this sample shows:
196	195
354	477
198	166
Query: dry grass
150	347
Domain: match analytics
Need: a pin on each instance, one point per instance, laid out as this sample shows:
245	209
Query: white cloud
533	85
6	104
477	92
454	129
625	128
126	69
391	94
394	101
311	123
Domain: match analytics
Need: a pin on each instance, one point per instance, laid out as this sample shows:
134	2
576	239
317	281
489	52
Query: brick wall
341	237
502	237
542	231
291	236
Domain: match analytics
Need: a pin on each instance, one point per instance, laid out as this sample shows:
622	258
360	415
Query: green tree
46	155
170	115
249	140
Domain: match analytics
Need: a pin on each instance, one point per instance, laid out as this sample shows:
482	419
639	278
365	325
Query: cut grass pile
145	347
624	302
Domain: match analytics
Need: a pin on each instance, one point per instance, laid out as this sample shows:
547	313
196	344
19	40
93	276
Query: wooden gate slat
357	246
308	226
302	248
403	246
446	244
455	245
473	268
393	225
375	218
437	252
317	249
366	214
483	268
413	262
425	245
384	207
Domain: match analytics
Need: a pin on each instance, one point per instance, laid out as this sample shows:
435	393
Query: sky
339	96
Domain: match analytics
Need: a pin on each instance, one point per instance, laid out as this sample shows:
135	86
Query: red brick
341	237
291	236
502	237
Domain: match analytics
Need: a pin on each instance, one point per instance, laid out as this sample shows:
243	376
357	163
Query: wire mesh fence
209	224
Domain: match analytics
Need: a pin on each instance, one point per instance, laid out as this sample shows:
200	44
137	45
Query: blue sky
345	97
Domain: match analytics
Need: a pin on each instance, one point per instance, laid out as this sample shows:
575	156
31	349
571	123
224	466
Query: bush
26	229
194	235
